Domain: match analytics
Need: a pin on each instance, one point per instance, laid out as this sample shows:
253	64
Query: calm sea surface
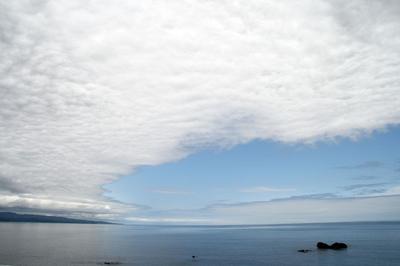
72	244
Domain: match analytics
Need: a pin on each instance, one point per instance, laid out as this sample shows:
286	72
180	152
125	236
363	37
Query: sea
369	244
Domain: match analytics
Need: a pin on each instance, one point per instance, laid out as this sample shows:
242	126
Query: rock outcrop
322	245
334	246
304	250
338	245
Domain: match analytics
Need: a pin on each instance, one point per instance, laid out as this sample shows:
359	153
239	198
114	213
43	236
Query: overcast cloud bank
89	91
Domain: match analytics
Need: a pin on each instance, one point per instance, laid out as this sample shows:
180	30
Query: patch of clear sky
212	176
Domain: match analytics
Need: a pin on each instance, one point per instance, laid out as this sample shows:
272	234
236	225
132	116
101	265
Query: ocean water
73	244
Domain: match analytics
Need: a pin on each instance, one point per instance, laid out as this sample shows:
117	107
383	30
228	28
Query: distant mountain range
33	218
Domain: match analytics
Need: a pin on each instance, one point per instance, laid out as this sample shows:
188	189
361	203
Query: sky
265	172
215	112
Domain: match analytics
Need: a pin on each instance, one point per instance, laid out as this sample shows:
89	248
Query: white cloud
263	189
164	220
393	191
91	90
67	206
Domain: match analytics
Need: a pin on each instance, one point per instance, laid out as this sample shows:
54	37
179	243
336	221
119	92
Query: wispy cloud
163	220
372	189
302	209
317	210
362	186
365	177
393	191
364	165
170	191
371	192
263	189
312	196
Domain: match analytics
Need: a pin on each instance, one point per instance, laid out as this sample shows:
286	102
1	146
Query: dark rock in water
322	245
337	246
112	263
304	250
334	246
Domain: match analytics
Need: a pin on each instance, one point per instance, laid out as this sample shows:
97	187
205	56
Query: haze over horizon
201	112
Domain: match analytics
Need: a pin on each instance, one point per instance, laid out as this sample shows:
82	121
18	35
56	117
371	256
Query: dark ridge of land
34	218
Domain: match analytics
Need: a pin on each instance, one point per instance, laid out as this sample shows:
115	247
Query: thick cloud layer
90	90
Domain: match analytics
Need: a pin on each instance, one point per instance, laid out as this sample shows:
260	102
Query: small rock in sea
112	263
304	250
322	245
193	257
334	246
337	246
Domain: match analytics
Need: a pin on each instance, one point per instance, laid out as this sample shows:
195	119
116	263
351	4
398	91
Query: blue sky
264	170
